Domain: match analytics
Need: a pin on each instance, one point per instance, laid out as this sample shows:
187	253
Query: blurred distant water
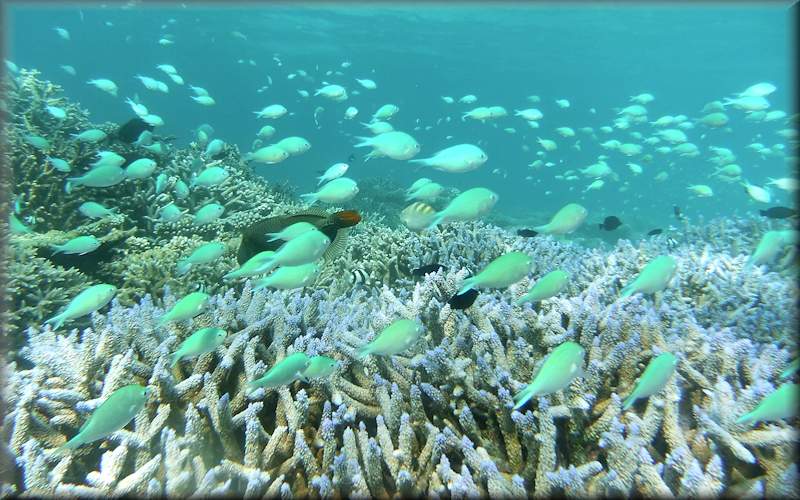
594	55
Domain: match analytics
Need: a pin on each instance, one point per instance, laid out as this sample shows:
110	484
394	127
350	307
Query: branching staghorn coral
436	419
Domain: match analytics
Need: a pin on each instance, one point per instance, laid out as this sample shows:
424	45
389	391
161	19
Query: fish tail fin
56	321
321	179
363	352
365	142
272	237
763	213
56	249
175	358
521	300
467	285
541	229
522	397
629	401
627	291
746	418
309	198
183	267
421	161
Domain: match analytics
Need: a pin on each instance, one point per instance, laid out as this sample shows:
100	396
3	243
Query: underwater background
612	313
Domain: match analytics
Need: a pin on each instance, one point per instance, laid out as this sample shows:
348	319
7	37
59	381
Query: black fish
677	211
131	130
464	300
778	212
526	233
351	158
430	268
655	232
610	223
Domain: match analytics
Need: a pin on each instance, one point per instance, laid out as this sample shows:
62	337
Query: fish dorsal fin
318	211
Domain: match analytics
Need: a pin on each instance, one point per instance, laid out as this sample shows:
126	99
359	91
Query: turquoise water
596	56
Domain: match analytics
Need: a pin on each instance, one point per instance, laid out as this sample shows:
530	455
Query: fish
319	367
339	190
653	379
393	339
86	302
654	277
130	131
527	233
335	226
464	300
778	212
427	269
610	223
186	308
558	370
677	211
289	277
565	221
502	272
359	277
417	216
202	341
112	415
283	372
780	404
654	232
549	285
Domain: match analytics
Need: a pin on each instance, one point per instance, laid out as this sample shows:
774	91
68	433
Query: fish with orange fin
334	225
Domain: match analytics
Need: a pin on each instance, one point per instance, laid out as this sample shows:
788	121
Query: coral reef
435	420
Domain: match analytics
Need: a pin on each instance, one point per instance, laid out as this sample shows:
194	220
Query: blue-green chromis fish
780	404
289	277
252	267
549	285
112	415
141	169
202	341
171	213
91	135
180	189
394	339
208	213
284	372
86	302
212	176
655	277
59	164
37	141
80	246
469	205
203	254
94	210
791	369
559	369
186	308
304	249
319	367
499	273
161	182
16	225
102	176
654	378
565	221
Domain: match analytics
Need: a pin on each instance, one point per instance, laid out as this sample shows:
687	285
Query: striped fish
417	216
